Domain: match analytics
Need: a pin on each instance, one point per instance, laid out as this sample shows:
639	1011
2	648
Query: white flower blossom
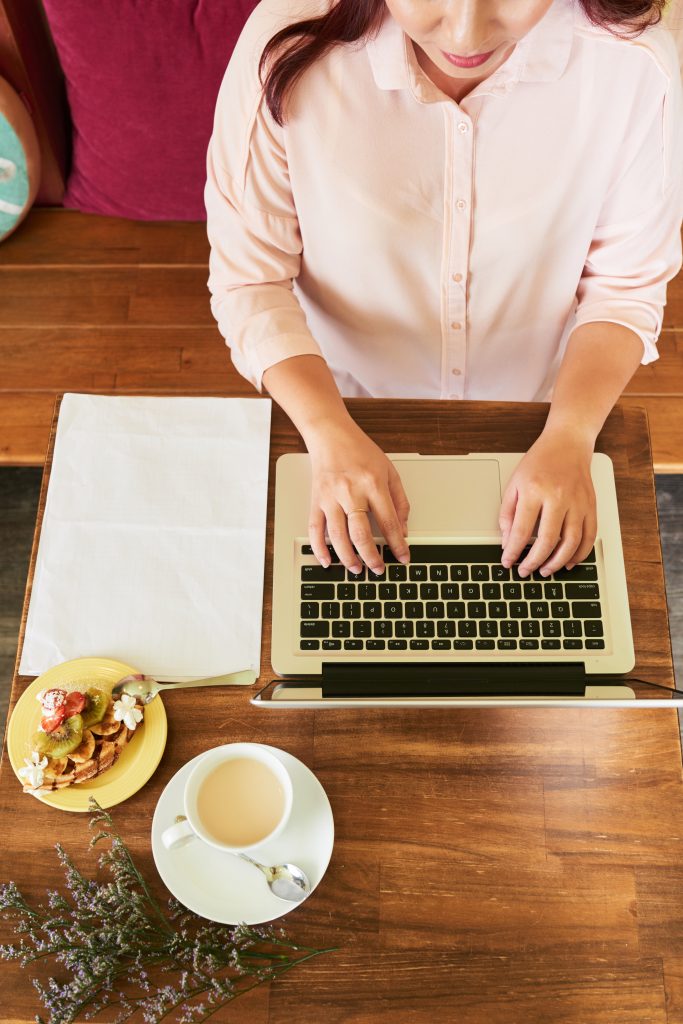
125	711
32	774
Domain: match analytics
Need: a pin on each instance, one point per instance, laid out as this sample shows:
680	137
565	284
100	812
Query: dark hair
350	20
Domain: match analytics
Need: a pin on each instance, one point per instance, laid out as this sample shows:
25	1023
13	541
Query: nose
469	28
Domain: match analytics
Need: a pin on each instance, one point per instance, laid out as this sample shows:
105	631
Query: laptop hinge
415	679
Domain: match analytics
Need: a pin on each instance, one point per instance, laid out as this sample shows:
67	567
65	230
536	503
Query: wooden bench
90	303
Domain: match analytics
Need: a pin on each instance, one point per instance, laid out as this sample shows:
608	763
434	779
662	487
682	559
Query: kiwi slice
62	740
96	704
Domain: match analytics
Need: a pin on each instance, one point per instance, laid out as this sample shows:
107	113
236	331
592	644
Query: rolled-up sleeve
252	223
636	246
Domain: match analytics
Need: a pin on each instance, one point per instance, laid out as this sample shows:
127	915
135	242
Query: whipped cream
125	711
32	774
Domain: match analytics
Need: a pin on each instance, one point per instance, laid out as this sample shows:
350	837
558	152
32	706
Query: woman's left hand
552	486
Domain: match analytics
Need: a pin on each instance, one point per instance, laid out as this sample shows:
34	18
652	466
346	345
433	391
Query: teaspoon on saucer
286	881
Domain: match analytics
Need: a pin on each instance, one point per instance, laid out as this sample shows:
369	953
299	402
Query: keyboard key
417	572
593	644
445	628
330	610
507	645
463	645
498	610
559	609
388	591
414	609
512	591
441	645
407	591
586	609
342	629
532	591
367	591
375	645
309	610
519	609
419	645
383	629
362	628
435	610
458	553
491	591
509	628
467	629
393	610
485	645
551	628
424	628
539	609
309	645
531	628
332	645
593	627
583	591
402	628
310	629
372	610
460	573
429	591
572	644
572	627
353	645
590	557
455	609
528	645
476	610
471	591
351	609
552	591
488	628
346	591
500	573
398	572
578	573
480	572
316	591
356	575
449	592
550	645
306	549
438	573
398	645
316	573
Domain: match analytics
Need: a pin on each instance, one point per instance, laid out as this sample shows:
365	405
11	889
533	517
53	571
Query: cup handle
177	834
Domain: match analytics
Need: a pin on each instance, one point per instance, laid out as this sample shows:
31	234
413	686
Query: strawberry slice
75	702
53	700
52	722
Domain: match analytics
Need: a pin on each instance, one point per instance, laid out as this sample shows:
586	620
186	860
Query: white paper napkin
153	540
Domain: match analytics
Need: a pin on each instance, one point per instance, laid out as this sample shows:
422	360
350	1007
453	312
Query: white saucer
224	888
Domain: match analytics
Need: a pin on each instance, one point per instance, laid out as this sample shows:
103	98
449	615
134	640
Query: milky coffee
240	802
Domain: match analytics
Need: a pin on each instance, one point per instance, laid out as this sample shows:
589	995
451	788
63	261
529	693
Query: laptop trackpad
451	496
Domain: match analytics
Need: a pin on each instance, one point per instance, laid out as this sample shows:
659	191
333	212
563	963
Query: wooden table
498	866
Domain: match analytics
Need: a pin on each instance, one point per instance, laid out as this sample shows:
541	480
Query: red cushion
142	80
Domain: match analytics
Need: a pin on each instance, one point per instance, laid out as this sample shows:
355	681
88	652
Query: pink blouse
433	249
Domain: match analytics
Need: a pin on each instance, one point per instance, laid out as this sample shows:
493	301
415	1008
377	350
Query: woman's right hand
351	473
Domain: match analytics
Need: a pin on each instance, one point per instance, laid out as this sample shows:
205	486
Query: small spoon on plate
145	688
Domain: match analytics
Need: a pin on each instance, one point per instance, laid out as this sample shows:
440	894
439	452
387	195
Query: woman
447	199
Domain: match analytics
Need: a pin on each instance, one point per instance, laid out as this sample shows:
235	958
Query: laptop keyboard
451	597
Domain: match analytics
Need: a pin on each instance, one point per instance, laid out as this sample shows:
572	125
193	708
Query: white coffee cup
193	826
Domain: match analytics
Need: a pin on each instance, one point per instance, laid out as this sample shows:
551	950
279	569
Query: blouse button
456	372
456	326
461	204
457	277
463	127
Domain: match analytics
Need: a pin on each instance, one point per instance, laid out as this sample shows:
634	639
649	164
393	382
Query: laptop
454	626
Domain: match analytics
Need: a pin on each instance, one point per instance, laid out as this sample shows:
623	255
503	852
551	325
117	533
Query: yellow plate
138	760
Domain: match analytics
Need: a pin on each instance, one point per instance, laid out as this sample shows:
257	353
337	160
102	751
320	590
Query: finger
400	500
358	525
507	513
526	514
388	521
549	530
572	533
316	535
590	531
339	536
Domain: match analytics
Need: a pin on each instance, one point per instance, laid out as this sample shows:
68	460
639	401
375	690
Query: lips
468	62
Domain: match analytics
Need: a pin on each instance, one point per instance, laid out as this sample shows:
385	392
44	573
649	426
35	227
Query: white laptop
454	626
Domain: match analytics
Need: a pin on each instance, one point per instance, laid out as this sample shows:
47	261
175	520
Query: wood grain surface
95	304
496	866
